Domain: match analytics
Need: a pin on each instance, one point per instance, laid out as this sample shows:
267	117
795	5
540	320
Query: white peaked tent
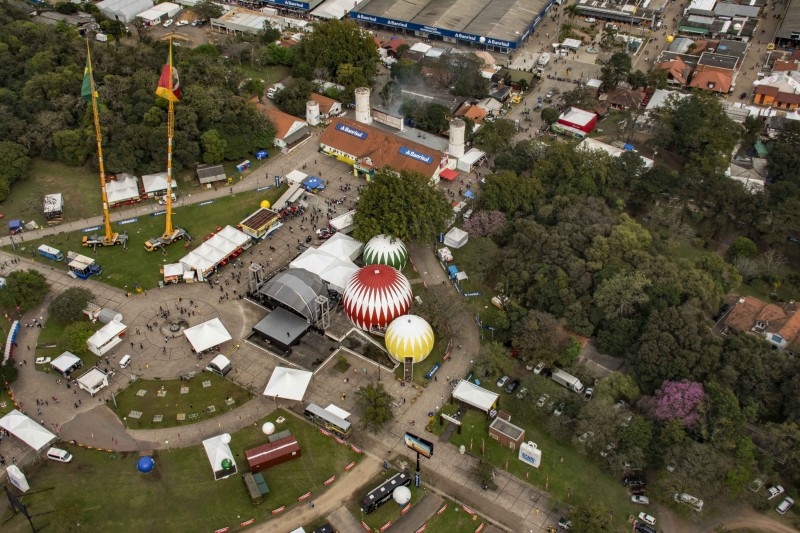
335	271
476	396
217	451
207	335
27	430
456	238
343	246
106	337
288	383
338	274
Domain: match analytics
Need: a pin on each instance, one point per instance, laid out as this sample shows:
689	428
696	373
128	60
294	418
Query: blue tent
629	147
15	224
452	270
313	183
262	154
469	194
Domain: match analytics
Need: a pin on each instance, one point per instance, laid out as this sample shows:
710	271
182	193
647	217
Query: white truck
542	62
567	380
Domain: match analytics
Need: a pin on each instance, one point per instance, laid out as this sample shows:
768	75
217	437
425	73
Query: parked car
647	519
774	491
43	360
512	386
636	490
586	436
59	455
559	410
588	393
643	500
549	94
626	419
538	369
610	447
633	480
168	23
722	310
542	400
590	20
502	381
672	466
563	523
523	392
619	405
785	505
182	23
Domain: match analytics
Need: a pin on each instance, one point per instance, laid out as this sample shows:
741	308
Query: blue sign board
476	293
263	188
408	152
206	202
351	131
156	213
432	371
129	221
93	228
277	181
290	3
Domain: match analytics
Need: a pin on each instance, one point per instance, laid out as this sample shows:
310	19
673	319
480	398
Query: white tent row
106	337
153	183
216	249
475	395
456	238
122	189
26	430
334	271
343	247
207	335
66	362
288	383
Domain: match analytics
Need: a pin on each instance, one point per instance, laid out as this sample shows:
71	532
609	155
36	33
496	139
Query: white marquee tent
106	338
207	335
334	271
217	451
66	362
475	395
154	183
215	250
343	246
288	383
26	430
122	189
123	10
456	238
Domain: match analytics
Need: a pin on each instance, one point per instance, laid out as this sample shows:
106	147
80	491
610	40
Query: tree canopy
69	305
403	205
24	289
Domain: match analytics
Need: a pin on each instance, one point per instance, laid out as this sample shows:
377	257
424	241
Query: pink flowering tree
485	223
679	400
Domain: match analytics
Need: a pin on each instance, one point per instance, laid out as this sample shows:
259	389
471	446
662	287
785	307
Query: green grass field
140	266
193	404
454	520
6	405
104	492
52	343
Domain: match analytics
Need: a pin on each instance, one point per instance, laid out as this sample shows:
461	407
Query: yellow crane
89	93
169	89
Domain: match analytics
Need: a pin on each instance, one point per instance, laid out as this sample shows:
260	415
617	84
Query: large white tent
123	10
66	362
334	271
218	451
106	338
216	249
338	274
207	335
474	395
288	383
157	183
122	189
343	246
26	430
456	238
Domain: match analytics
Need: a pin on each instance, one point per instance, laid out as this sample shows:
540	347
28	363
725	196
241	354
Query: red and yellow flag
169	86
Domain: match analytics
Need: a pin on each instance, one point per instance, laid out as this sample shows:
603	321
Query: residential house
750	173
778	323
328	107
391	46
712	80
473	112
290	132
576	122
678	71
781	90
625	98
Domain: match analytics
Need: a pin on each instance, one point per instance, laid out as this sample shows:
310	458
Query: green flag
88	87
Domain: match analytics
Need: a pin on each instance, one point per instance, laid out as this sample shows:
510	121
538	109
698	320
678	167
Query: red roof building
578	119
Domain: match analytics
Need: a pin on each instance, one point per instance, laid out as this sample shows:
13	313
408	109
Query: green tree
293	98
72	146
14	165
69	305
742	247
333	43
495	137
213	147
24	289
637	434
618	386
550	115
510	193
742	472
424	222
483	473
591	518
615	70
207	9
637	79
377	405
75	336
406	71
725	419
493	359
253	87
540	338
623	295
672	433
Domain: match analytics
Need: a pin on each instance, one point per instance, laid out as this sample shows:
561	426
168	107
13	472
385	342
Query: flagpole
106	219
170	131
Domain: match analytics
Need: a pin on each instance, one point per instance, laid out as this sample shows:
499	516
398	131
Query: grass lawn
6	405
194	404
52	343
454	520
569	477
270	74
104	492
142	267
420	369
389	510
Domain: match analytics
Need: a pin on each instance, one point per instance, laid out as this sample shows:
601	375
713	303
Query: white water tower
363	111
456	145
312	113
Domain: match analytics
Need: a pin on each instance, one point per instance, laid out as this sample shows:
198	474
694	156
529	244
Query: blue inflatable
145	464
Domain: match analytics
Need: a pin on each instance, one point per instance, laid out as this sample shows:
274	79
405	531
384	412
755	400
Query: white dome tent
386	250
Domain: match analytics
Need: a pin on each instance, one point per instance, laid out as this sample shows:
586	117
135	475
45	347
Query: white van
125	361
57	454
785	505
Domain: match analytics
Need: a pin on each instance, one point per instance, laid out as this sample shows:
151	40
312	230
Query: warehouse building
500	25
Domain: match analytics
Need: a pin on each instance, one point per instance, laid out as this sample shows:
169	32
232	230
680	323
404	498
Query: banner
357	450
206	202
405	509
467	510
279	509
247	522
386	526
351	465
340	441
440	511
128	221
365	526
326	433
423	528
223	530
93	228
330	480
480	528
304	496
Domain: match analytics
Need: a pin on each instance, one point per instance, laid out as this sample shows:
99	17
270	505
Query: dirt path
748	519
330	500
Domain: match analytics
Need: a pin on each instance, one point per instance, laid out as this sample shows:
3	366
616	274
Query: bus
328	420
381	494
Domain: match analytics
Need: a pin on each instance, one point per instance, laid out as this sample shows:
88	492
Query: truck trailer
272	454
567	380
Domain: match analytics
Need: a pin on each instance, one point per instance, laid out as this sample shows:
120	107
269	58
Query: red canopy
448	174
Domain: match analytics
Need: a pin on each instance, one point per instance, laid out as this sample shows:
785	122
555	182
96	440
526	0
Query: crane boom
170	133
106	217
